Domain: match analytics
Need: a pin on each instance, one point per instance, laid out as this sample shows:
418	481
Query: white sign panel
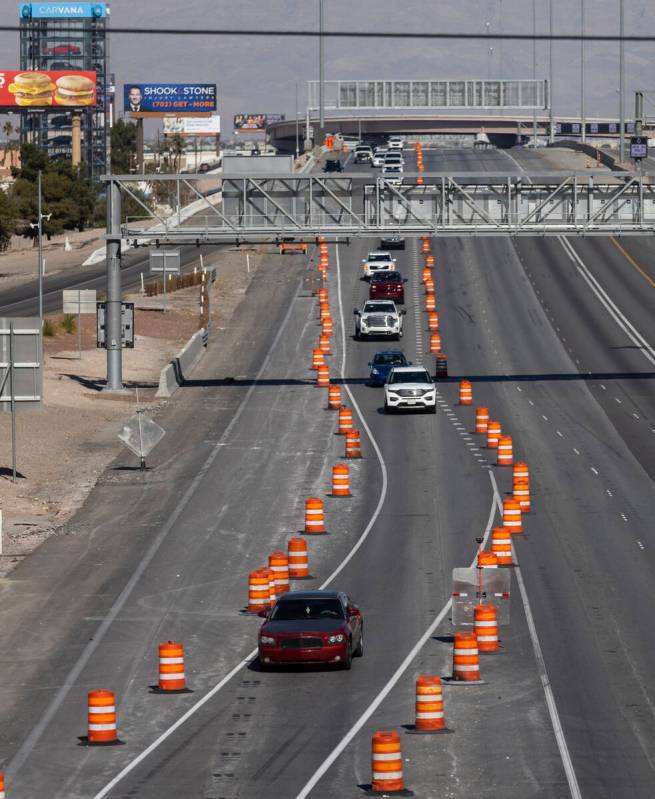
193	126
79	301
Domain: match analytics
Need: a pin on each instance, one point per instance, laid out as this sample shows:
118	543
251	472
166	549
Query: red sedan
63	49
387	286
312	627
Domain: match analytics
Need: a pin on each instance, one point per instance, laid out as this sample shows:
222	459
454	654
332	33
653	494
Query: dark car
61	65
388	285
312	627
333	165
382	364
392	243
60	121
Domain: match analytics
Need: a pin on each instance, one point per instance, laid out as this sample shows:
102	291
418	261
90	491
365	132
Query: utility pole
321	71
40	233
113	314
297	125
551	123
534	69
583	114
621	86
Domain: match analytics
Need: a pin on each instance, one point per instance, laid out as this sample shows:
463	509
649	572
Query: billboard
255	121
44	88
69	10
158	99
193	126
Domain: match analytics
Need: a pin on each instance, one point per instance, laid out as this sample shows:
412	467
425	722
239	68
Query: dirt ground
63	448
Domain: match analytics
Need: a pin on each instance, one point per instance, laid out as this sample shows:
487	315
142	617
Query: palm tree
8	129
177	146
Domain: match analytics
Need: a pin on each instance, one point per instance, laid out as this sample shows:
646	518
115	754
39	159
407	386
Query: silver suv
378	318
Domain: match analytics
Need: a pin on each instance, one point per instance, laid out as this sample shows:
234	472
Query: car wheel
387	408
359	652
432	409
346	664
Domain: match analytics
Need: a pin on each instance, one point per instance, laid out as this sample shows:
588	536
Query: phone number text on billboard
163	98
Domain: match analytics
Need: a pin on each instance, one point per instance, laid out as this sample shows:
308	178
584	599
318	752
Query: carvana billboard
63	10
41	88
140	99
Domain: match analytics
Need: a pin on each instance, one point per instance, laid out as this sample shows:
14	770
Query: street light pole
583	123
297	125
551	125
621	87
40	232
321	70
534	68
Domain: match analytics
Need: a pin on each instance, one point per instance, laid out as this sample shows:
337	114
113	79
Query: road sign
472	586
638	147
167	261
79	301
127	326
20	353
141	435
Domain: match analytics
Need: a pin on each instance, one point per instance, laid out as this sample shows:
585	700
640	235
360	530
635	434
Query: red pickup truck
387	285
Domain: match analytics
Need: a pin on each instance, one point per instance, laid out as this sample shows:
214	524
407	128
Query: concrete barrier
177	371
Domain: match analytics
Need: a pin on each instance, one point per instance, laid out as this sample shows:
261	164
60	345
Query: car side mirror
409	363
263	614
404	280
370	363
354	611
356	311
403	312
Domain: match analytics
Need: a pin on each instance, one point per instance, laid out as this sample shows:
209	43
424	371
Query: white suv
395	142
379	318
410	387
378	261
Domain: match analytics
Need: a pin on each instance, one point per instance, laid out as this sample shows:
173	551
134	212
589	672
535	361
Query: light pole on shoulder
621	86
321	70
39	227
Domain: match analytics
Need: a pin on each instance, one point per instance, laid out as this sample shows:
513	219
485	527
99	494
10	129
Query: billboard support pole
139	145
12	398
76	141
113	320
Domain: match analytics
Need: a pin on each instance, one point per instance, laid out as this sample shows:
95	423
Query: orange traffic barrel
386	762
323	295
317	358
324	344
323	261
430	303
433	321
324	312
426	246
521	493
465	392
314	517
278	563
441	364
485	620
101	718
493	434
481	419
323	376
340	481
429	703
171	667
326	324
466	658
512	518
259	597
2	785
298	559
425	274
272	588
501	545
521	470
353	444
487	560
429	260
334	398
420	181
345	421
429	286
321	239
505	451
435	343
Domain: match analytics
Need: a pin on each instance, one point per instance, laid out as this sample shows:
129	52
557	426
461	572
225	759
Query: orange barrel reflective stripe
102	717
435	343
272	588
334	398
298	560
501	545
481	419
317	358
465	392
441	364
314	518
278	563
487	560
493	434
429	703
433	321
259	596
521	470
512	518
323	376
326	324
521	493
171	667
387	762
426	246
430	303
466	659
505	451
340	481
345	421
425	274
485	620
324	344
323	248
353	444
429	261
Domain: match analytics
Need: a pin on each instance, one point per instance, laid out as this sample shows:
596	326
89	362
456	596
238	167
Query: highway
166	555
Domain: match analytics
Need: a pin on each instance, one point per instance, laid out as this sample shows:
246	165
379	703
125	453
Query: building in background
61	37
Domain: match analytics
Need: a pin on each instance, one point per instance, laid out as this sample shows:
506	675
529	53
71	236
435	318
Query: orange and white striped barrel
429	286
278	563
171	667
521	493
317	358
323	248
501	545
430	303
429	261
429	703
521	470
2	785
272	587
259	596
420	180
298	559
323	376
386	762
353	444
465	392
324	312
441	364
425	274
322	295
493	434
324	344
481	419
433	321
487	560
102	717
326	326
340	480
466	658
505	455
512	518
485	621
323	304
334	398
345	421
435	342
323	260
314	517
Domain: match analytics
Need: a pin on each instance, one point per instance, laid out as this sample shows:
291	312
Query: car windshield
311	608
379	256
387	277
389	358
392	170
419	376
380	307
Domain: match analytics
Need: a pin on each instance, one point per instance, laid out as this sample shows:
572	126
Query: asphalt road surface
166	555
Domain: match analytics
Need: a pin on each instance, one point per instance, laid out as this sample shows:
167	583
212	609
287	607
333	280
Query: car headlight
374	371
266	639
392	392
335	639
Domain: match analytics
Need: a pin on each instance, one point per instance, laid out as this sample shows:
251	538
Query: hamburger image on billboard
41	88
74	90
32	88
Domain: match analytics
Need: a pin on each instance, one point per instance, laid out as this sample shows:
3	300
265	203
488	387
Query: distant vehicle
378	160
383	363
333	165
60	141
388	285
392	243
378	261
379	318
394	159
396	142
60	121
410	387
203	168
363	154
311	627
61	65
63	49
393	175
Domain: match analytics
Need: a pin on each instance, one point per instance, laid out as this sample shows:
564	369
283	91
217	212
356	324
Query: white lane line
545	418
594	470
616	399
245	661
608	492
640	544
624	517
577	451
531	402
559	434
395	677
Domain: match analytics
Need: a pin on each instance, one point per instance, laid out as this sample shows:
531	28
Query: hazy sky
257	75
